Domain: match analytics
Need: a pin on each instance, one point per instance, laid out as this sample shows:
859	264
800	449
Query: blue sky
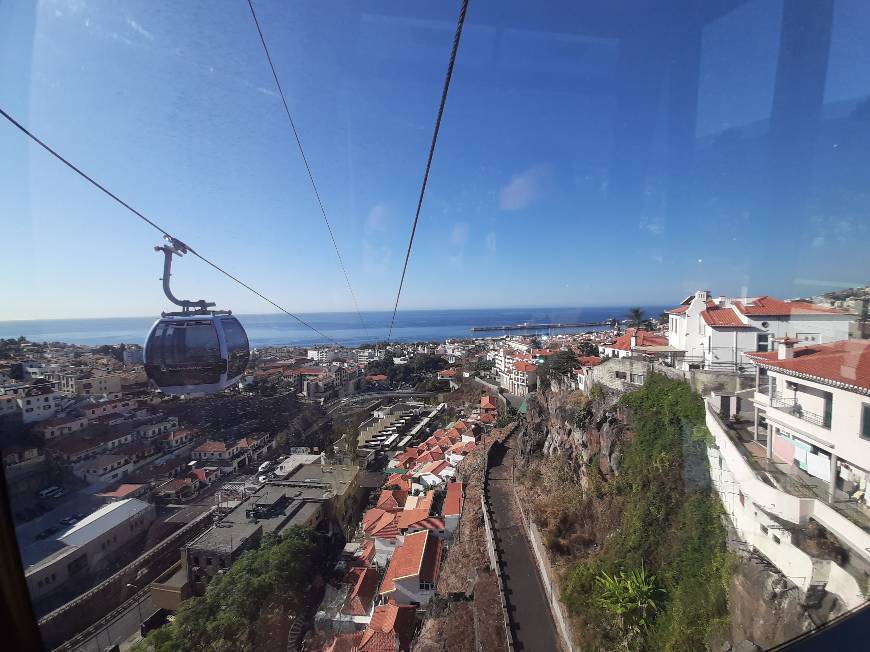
172	106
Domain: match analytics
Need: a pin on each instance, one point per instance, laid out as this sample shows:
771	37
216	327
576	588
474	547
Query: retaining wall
98	605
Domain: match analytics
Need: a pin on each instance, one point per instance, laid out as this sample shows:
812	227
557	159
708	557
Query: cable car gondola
197	350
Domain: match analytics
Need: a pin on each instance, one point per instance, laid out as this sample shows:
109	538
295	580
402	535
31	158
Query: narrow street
531	620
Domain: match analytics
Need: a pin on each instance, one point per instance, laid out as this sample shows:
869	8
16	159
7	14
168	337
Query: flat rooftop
338	476
272	508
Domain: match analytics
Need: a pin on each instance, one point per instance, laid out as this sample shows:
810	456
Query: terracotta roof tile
722	318
644	338
453	500
419	555
771	307
361	597
845	362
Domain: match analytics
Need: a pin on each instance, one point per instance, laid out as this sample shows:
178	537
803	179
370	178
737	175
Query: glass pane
237	346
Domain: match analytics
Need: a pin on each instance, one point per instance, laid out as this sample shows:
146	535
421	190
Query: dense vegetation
226	617
659	582
418	369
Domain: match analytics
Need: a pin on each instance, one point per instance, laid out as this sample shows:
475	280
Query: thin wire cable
456	37
307	166
135	212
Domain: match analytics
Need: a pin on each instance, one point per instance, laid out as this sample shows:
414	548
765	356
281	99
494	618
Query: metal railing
793	407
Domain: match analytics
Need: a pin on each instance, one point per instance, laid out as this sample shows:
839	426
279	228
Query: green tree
225	618
562	362
587	348
632	597
635	316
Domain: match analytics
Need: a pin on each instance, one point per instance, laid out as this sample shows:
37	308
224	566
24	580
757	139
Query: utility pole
138	602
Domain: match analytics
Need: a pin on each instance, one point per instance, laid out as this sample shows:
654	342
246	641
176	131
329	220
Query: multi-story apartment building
38	403
364	356
60	427
84	382
815	400
325	354
713	333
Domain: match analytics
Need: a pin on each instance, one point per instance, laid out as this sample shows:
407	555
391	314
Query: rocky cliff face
560	422
764	608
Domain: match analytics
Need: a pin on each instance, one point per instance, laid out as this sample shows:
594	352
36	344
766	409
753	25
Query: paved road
532	622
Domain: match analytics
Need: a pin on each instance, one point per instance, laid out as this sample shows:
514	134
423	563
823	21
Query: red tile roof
453	500
391	628
447	373
526	367
361	597
377	378
644	338
678	310
380	523
398	480
771	307
419	555
722	318
411	516
122	490
211	447
487	418
487	402
846	363
589	360
392	499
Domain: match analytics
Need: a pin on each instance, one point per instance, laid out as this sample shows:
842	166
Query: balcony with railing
792	405
788	478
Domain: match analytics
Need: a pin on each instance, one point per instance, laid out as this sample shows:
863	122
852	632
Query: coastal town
125	498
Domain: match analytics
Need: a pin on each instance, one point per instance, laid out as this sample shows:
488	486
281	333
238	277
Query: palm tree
635	316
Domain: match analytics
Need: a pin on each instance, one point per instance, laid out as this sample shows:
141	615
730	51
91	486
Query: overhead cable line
148	221
307	166
456	37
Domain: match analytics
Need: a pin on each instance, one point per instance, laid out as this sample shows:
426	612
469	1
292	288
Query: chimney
702	295
634	339
721	301
785	348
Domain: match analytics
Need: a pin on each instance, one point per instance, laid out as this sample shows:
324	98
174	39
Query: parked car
60	493
69	520
48	491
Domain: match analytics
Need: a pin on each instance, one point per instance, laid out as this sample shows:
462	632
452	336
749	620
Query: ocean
344	327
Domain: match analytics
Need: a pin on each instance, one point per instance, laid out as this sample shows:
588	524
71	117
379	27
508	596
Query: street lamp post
138	602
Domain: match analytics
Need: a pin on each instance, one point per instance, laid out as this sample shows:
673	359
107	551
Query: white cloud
459	234
489	242
264	91
523	189
136	27
653	224
378	218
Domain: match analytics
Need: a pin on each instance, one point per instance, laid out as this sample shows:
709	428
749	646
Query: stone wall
70	622
702	381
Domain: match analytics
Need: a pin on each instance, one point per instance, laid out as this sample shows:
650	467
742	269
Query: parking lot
37	538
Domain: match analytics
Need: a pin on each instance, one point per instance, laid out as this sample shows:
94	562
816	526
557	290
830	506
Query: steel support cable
150	222
307	166
456	37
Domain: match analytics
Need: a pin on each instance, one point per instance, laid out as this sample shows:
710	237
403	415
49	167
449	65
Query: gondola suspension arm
178	248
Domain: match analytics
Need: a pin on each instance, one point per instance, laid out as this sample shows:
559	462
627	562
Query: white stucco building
714	333
816	402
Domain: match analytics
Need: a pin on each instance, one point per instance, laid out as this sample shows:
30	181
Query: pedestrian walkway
531	621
